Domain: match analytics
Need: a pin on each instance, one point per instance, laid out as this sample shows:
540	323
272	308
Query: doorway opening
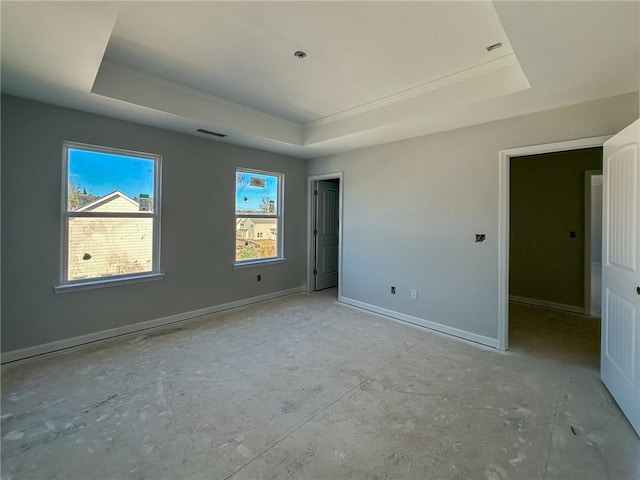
550	236
504	225
324	265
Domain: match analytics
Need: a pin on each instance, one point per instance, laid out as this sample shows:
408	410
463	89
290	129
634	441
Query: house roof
106	199
375	72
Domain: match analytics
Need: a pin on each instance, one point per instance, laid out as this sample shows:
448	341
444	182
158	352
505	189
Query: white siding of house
117	246
266	229
116	204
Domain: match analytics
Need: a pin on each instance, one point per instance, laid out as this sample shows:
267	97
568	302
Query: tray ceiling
374	71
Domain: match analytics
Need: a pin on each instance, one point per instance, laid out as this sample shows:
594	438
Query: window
258	216
111	201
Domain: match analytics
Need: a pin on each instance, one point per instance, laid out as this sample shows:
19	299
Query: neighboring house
101	246
113	202
258	236
256	228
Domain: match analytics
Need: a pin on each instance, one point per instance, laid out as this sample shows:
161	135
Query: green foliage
78	197
248	252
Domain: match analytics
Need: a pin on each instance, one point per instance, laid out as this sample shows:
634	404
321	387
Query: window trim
112	281
66	285
279	216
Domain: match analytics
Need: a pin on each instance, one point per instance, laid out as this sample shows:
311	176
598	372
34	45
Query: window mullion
110	214
257	216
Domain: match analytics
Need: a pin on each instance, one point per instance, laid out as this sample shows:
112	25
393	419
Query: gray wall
198	243
411	210
548	202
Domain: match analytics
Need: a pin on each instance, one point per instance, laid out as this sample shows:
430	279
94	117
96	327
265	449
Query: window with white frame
259	219
111	214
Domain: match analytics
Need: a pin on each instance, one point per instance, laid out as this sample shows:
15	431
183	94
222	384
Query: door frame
587	238
311	217
504	191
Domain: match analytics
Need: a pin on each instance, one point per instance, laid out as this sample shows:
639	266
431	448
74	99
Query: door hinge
315	271
315	192
315	232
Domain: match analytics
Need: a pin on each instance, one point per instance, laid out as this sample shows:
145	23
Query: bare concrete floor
302	387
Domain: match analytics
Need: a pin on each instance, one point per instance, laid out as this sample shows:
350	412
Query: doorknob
638	290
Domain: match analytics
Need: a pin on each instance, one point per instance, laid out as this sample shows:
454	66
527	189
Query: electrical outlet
414	294
258	278
393	290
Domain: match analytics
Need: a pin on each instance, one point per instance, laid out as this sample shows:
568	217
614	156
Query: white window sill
107	282
258	263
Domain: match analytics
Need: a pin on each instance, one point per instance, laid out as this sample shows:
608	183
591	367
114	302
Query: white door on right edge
620	351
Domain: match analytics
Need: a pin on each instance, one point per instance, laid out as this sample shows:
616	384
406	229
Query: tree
267	205
78	197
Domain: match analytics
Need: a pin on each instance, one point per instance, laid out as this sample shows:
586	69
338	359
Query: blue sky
102	173
249	197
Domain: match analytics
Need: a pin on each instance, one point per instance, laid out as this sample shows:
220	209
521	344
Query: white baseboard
545	304
456	332
158	323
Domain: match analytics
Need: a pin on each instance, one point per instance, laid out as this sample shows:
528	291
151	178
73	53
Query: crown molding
469	73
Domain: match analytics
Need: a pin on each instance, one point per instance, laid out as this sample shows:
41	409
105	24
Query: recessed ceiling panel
357	52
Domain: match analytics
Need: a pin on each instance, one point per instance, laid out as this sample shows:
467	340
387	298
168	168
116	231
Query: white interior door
620	358
326	234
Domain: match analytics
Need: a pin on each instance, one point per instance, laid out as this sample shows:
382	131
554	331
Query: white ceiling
355	56
375	71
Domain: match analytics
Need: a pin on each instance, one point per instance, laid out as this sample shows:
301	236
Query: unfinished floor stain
303	387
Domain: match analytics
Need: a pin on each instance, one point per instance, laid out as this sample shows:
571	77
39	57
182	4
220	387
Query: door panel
327	238
620	359
619	344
